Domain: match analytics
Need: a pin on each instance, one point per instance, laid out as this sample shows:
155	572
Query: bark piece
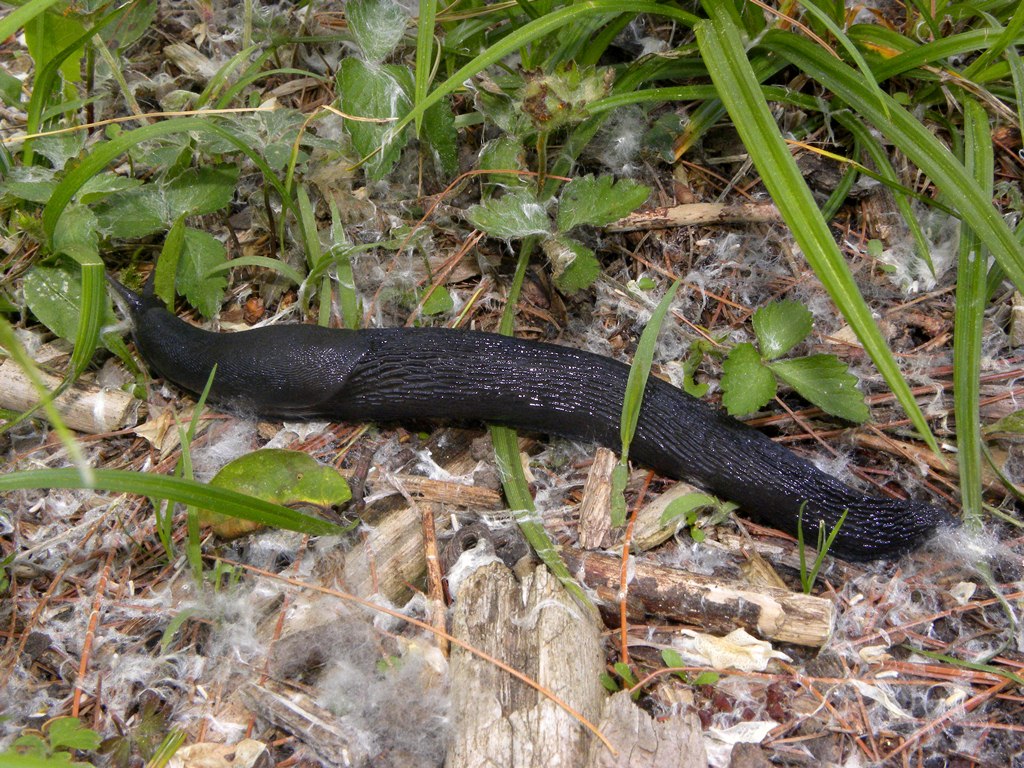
693	214
83	406
595	509
536	628
713	605
648	531
643	742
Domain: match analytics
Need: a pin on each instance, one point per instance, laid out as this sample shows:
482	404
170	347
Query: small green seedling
807	579
750	374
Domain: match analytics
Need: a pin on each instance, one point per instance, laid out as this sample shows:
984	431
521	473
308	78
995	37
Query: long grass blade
970	311
916	142
731	73
176	489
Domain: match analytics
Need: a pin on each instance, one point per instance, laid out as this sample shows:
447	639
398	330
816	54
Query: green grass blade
90	316
104	154
916	142
851	49
731	73
265	262
506	454
970	311
19	17
176	489
424	53
1009	37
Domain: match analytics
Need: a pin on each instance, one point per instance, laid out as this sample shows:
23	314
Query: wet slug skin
442	375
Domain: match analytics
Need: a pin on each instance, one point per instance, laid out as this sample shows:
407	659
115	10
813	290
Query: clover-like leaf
825	381
780	326
746	383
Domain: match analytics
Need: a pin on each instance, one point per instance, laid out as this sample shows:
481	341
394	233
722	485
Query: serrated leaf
512	216
377	95
574	267
780	326
746	383
825	381
377	26
200	253
278	476
442	138
598	201
76	234
54	295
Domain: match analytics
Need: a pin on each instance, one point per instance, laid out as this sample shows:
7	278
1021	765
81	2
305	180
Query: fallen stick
713	605
694	214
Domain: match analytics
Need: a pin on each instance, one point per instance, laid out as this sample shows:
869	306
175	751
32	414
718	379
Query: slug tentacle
436	374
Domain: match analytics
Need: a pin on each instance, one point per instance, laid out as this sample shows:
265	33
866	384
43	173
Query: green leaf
200	191
104	184
33	183
10	89
68	732
825	381
47	35
684	505
1012	423
690	364
377	26
780	326
201	253
438	302
76	234
164	276
102	154
514	215
746	383
280	477
672	659
502	154
377	95
19	17
620	476
54	294
574	267
442	138
598	201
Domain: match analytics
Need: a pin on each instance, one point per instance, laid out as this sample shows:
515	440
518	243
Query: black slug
436	374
